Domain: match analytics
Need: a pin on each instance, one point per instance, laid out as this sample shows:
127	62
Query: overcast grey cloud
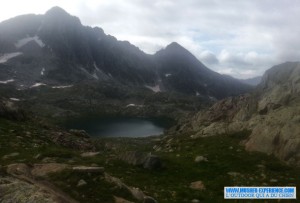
241	38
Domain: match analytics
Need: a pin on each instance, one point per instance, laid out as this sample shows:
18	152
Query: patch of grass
24	142
228	165
96	188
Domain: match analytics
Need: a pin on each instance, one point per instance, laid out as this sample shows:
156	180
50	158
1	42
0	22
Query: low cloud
208	57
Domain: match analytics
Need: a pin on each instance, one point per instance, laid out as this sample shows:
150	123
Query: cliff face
271	113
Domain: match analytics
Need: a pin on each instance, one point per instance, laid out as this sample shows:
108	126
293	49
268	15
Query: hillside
270	114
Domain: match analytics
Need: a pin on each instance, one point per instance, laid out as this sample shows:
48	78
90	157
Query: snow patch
168	75
14	99
37	85
25	40
100	74
129	105
61	87
134	105
5	57
95	76
6	81
155	88
212	98
43	71
96	67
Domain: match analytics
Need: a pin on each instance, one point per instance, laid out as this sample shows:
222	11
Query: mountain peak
56	15
57	11
173	48
174	45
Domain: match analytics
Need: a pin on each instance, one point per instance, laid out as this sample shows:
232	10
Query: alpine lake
119	126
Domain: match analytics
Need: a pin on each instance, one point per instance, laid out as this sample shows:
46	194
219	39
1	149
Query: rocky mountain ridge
270	114
57	50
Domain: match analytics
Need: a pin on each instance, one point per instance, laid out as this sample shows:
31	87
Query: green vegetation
228	164
96	188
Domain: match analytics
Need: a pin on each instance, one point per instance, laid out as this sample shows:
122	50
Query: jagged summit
59	50
58	16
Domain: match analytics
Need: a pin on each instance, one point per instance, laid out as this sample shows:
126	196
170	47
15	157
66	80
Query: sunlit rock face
270	113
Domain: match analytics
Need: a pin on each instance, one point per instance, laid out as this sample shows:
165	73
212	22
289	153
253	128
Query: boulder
18	169
10	110
88	169
10	155
145	160
197	185
79	133
152	162
81	182
15	190
121	200
72	141
200	159
148	199
42	170
89	154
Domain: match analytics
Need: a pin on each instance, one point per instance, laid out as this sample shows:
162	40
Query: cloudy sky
241	38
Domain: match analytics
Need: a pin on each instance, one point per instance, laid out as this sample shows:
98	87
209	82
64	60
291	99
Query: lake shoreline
119	126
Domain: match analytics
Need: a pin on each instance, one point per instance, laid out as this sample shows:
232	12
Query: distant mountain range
55	49
252	81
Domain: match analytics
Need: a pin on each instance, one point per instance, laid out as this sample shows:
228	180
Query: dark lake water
120	127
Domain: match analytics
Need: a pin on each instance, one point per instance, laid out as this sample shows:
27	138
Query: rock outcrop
10	110
271	114
23	186
72	141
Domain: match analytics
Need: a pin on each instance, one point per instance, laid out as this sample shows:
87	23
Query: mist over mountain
252	81
56	49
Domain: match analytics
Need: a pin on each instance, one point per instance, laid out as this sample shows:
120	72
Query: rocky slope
270	114
57	50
